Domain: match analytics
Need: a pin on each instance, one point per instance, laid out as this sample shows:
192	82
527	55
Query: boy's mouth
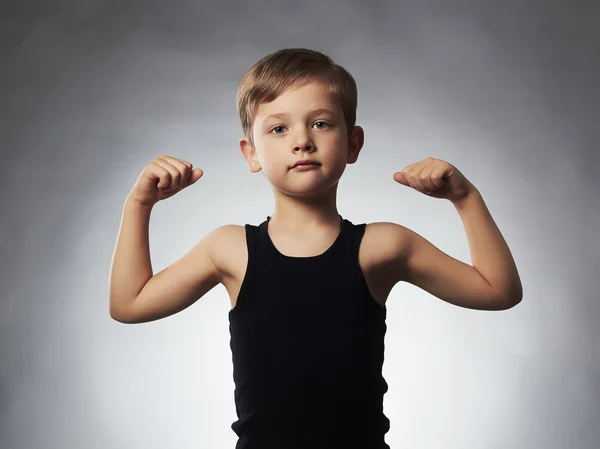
304	162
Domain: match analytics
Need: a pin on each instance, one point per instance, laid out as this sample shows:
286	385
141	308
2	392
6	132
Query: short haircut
292	67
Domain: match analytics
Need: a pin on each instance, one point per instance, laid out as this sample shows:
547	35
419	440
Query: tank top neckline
335	246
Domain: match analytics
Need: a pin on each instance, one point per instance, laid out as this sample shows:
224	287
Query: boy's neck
302	216
301	221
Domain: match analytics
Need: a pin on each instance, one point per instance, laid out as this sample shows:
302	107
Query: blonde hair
292	67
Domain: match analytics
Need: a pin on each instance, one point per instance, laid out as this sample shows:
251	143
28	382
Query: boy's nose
304	142
306	147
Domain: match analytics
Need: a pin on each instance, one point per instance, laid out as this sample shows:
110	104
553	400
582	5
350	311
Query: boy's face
309	125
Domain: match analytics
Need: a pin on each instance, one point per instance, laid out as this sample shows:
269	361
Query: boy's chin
305	189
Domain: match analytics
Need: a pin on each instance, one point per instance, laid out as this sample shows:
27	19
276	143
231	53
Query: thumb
195	176
399	177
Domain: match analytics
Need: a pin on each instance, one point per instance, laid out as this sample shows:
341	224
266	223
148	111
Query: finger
161	174
175	178
426	178
437	177
421	175
408	175
195	175
400	178
185	168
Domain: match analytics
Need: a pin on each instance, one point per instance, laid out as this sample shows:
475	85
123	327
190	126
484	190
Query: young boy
307	287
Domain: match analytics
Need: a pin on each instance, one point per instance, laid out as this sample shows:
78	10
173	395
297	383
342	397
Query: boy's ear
356	141
249	153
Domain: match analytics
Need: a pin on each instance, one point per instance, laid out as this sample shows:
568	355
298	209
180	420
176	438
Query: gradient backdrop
92	91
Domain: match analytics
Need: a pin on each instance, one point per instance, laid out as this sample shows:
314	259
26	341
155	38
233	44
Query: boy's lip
305	162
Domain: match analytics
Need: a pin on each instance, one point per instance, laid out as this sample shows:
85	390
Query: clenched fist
162	178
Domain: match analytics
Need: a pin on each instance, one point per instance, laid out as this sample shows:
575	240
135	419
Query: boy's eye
316	123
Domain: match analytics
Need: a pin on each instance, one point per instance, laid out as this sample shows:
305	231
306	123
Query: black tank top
307	342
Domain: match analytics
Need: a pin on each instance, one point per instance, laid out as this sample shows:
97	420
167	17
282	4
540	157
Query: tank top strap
356	233
253	241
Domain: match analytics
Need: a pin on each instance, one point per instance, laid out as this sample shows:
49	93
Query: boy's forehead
311	97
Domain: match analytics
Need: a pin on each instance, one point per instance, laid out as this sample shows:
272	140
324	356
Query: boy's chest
380	275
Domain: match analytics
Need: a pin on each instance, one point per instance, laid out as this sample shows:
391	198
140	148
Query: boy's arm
492	283
135	295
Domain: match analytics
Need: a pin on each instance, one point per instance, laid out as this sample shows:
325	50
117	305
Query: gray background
92	91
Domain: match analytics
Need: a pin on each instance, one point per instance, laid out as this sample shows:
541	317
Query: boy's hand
435	178
162	178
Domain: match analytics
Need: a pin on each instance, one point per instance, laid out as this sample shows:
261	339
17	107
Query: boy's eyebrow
283	115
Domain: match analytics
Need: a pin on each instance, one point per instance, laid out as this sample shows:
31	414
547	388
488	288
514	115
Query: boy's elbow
115	316
116	313
511	302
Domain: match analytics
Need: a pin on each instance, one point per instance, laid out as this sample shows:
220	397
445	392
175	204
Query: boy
307	287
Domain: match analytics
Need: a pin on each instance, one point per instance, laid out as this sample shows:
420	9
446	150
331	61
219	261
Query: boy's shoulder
386	241
226	235
227	242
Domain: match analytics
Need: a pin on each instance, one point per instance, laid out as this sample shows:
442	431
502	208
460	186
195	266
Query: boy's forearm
131	267
490	254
